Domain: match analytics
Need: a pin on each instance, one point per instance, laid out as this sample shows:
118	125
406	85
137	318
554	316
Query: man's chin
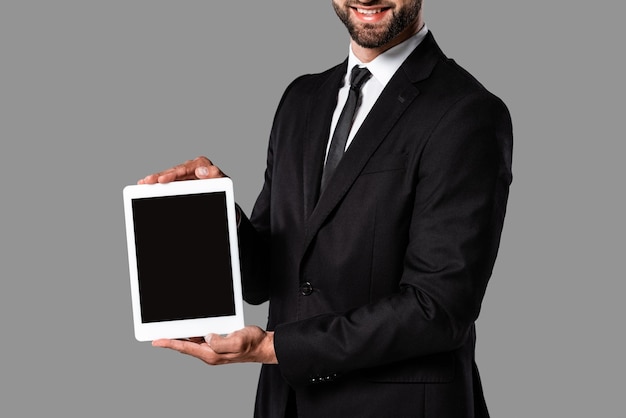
369	36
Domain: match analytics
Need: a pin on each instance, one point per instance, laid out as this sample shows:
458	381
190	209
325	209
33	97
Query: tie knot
358	77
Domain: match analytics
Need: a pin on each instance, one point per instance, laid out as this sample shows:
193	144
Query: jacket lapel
323	103
399	93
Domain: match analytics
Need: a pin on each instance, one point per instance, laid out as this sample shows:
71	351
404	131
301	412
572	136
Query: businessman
375	233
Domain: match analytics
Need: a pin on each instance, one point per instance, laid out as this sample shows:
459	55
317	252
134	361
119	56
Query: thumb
202	172
208	172
223	344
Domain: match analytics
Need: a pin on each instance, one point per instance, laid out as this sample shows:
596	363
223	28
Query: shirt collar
384	66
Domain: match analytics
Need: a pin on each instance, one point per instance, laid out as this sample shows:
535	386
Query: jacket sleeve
457	216
254	232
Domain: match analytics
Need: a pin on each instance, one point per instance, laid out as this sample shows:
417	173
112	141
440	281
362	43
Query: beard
369	35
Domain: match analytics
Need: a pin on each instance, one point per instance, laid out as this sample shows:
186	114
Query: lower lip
370	18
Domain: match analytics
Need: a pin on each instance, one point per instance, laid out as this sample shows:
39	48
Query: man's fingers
184	346
178	345
198	350
244	345
198	168
149	179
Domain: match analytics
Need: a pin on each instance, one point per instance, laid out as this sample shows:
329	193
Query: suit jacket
374	285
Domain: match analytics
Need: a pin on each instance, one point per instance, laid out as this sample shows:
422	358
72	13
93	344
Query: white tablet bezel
188	327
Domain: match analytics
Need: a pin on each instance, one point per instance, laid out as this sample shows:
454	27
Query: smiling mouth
371	14
368	11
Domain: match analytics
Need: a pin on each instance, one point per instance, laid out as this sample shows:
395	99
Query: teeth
369	11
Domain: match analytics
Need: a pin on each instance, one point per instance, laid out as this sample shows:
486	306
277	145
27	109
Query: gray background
94	95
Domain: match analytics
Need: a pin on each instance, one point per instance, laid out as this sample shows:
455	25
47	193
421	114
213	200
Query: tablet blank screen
183	257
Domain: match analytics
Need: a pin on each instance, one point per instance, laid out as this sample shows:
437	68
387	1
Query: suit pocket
382	163
436	368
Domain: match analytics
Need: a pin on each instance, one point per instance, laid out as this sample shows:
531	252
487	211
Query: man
375	277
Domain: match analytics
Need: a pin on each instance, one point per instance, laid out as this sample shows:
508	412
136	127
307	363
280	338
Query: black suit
375	285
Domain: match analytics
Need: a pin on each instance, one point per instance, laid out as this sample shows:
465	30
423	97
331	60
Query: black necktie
358	77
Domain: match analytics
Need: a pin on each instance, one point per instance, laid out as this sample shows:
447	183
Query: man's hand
198	168
250	344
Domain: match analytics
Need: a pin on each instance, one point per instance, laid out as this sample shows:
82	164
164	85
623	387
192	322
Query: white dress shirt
383	67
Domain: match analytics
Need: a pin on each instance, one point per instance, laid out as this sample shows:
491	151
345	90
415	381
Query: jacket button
306	289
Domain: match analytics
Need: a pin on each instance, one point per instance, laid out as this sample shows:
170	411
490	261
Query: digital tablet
183	256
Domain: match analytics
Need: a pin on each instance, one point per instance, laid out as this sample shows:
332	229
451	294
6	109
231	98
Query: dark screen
183	257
